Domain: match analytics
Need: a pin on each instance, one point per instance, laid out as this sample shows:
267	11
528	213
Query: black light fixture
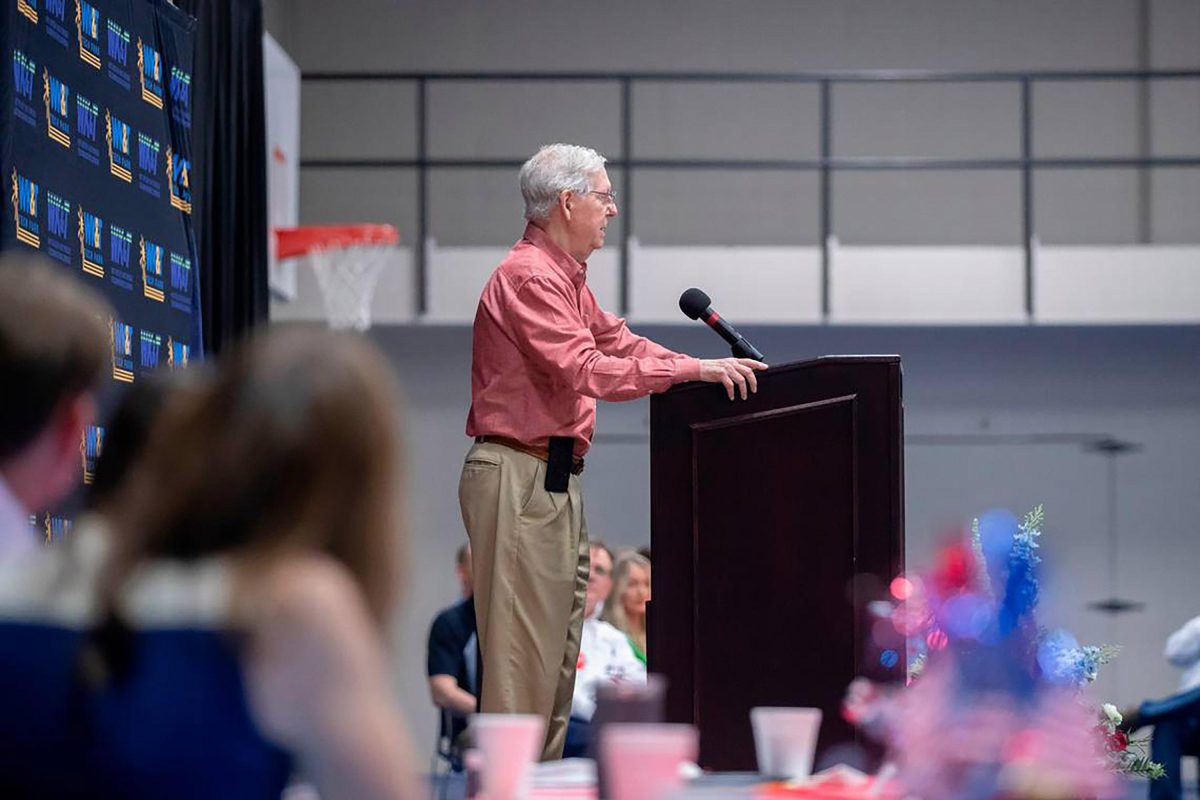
1111	448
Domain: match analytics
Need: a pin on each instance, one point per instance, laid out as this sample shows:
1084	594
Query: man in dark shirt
451	659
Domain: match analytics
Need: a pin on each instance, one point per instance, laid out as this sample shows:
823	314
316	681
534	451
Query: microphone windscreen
693	302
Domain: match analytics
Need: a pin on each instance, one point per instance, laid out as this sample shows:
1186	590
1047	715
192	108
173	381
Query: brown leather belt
539	453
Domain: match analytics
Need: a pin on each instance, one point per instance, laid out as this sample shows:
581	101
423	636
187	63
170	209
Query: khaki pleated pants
530	559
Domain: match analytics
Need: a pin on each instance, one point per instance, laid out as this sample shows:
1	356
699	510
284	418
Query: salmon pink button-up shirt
544	351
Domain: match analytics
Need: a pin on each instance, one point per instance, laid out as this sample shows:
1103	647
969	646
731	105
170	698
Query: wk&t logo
148	180
120	337
151	69
57	97
25	210
151	343
56	20
152	270
181	283
91	443
87	20
24	70
28	9
91	251
57	528
177	354
58	228
181	97
120	163
118	55
179	181
120	244
86	115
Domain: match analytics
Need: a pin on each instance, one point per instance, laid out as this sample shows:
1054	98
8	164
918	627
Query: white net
347	277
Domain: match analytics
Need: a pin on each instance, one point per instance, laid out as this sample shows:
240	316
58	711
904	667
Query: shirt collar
571	269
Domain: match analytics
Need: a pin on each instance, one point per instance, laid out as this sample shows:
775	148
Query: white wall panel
749	284
1107	285
927	285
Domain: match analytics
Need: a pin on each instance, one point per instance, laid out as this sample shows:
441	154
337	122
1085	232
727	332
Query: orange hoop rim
300	241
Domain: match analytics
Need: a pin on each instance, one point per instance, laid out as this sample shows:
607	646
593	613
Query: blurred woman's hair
291	447
127	432
614	608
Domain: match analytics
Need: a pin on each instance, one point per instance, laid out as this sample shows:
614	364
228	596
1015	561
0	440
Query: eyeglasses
609	198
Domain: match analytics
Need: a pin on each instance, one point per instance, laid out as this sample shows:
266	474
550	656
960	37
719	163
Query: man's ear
566	202
69	423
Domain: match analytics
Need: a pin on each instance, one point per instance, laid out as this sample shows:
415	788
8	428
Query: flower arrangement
1125	755
990	694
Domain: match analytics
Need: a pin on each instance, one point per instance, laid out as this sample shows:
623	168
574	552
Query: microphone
697	305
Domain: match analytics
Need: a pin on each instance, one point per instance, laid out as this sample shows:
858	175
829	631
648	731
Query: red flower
955	569
1117	741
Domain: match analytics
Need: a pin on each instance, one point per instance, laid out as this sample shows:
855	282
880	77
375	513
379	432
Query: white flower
1111	715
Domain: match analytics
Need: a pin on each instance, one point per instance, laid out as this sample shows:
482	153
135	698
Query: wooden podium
763	512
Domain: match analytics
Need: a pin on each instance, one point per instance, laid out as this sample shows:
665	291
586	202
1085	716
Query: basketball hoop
347	260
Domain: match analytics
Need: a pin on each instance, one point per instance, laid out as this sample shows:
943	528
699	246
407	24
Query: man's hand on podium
732	372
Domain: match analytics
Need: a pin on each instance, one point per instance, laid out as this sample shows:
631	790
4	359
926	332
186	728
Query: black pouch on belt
559	462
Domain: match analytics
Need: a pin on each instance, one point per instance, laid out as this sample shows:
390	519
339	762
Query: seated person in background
54	357
626	610
1176	719
451	662
233	632
605	654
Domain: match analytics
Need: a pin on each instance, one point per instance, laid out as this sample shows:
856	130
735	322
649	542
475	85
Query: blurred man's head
54	355
462	568
599	577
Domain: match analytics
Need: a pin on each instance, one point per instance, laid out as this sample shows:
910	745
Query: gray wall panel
1086	206
1077	119
946	120
1175	198
732	120
360	195
373	119
927	207
721	207
510	120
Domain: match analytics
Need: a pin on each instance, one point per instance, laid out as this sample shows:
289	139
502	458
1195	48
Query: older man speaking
544	352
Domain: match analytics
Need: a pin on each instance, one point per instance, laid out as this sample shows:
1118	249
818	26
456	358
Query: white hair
553	169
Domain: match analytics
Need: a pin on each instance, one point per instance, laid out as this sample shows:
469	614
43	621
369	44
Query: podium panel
763	511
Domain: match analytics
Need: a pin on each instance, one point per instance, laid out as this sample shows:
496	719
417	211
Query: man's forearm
449	695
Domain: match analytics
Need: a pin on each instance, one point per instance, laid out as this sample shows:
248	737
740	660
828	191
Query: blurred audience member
605	655
626	610
127	433
600	580
234	632
54	354
644	552
451	662
1176	719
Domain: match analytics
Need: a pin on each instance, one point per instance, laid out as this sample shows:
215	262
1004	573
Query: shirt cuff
687	369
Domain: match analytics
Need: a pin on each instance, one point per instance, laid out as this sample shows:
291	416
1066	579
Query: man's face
599	580
465	576
590	214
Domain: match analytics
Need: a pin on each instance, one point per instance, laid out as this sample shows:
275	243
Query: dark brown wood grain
762	513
